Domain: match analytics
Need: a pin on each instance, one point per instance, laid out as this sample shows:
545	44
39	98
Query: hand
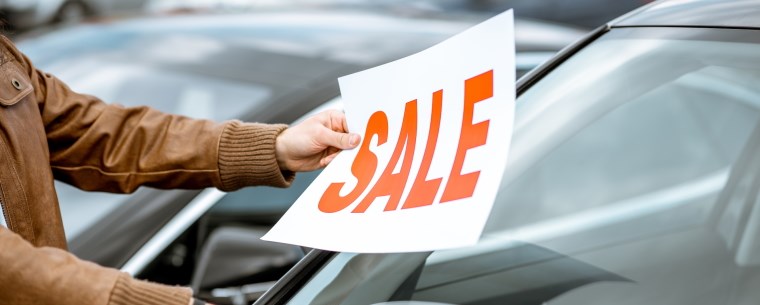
315	142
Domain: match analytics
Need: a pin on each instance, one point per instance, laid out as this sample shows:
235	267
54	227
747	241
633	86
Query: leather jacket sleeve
107	147
53	276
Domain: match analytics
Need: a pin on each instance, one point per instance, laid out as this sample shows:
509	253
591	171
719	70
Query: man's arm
52	276
107	147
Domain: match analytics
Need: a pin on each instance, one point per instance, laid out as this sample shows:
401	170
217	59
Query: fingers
337	120
340	140
326	134
336	133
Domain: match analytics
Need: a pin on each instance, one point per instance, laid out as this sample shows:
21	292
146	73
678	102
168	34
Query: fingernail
354	139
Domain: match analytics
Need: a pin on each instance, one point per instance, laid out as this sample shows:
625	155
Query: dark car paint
649	16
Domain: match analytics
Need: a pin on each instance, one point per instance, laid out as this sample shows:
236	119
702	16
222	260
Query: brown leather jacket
48	131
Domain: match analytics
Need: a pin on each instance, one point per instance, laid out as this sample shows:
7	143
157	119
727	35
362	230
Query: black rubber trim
292	281
685	26
535	75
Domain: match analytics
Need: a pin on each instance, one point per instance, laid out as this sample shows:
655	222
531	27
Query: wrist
247	156
280	151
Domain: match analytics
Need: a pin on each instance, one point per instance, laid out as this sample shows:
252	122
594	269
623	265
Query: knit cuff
128	291
247	156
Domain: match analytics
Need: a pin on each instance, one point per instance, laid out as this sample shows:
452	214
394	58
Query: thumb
340	140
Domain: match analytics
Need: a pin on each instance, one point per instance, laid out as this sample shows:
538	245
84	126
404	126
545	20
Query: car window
633	178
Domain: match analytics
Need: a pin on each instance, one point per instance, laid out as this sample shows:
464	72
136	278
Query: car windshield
633	178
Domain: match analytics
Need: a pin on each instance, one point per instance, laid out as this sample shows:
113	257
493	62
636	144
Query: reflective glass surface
633	178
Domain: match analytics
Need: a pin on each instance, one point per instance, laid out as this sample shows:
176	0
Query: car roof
695	13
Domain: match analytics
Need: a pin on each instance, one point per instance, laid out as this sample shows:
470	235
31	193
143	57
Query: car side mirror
236	267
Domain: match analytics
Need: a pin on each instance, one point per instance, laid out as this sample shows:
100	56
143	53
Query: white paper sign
436	128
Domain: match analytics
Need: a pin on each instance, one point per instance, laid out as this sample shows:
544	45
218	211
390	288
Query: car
633	178
269	66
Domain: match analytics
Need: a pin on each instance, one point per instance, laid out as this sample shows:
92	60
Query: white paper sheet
348	207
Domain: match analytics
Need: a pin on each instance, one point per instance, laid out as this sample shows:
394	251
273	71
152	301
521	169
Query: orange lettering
423	191
363	167
472	135
390	184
